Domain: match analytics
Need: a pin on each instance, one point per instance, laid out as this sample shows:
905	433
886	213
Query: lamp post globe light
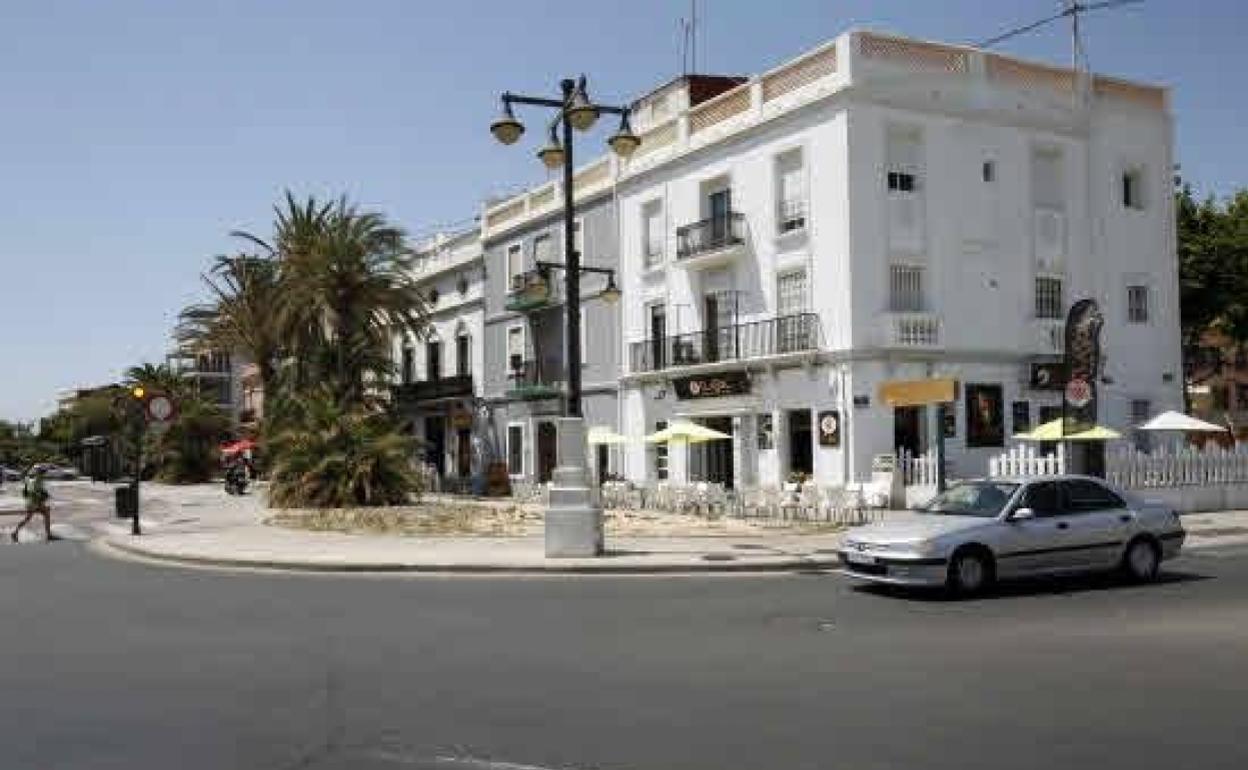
573	522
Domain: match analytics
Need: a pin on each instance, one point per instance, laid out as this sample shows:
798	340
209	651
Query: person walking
36	493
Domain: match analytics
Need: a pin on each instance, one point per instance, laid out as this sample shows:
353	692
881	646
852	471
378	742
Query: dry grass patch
462	519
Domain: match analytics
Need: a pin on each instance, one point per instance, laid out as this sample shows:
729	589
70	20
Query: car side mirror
1022	514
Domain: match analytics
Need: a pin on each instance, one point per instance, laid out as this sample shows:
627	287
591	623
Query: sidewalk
203	528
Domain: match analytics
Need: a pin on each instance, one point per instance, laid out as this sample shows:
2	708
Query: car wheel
970	573
1141	561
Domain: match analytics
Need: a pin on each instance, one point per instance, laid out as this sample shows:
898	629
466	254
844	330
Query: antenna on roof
689	40
1071	9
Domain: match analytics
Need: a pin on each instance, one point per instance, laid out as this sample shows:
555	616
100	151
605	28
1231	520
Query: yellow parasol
1052	431
686	431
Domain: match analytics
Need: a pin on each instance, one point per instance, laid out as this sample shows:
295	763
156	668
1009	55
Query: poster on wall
830	428
1020	416
766	432
985	419
1083	364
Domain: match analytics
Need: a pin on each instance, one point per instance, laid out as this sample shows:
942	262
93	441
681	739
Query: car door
1100	523
1036	544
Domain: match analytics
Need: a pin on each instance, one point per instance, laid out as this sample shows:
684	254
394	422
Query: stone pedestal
573	517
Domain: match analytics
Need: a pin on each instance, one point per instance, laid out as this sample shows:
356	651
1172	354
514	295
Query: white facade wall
975	240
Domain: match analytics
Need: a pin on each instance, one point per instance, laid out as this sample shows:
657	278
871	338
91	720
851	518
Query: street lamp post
573	521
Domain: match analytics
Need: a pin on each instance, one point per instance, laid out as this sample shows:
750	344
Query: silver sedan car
979	531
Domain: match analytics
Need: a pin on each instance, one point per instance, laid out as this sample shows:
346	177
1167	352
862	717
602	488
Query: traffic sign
160	408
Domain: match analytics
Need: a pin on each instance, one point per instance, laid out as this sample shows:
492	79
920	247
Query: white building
878	211
440	374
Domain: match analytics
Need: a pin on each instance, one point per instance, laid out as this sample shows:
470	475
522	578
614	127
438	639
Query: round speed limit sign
160	408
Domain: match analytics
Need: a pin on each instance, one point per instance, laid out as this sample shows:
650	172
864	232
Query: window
463	351
1133	189
1020	415
408	367
988	171
433	360
1141	408
515	348
1048	297
660	454
790	192
515	264
542	246
905	289
791	293
652	232
578	236
1087	496
1042	499
515	450
901	181
658	335
1046	179
1137	304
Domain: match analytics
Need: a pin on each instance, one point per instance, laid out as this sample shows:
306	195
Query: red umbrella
242	445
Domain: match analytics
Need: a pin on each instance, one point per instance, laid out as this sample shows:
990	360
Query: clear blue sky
134	134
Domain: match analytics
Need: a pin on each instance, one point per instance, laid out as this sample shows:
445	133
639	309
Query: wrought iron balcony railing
535	379
710	235
756	339
425	390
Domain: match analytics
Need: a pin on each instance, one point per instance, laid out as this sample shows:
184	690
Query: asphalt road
121	665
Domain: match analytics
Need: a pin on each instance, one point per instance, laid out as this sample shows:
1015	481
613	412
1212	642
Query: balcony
738	342
532	290
428	390
914	330
535	379
711	242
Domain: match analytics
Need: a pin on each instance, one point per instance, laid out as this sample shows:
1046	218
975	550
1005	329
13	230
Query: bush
329	456
187	452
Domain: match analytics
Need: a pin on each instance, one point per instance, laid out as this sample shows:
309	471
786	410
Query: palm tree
241	316
345	290
158	377
335	456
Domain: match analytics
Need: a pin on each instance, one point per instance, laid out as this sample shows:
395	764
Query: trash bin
127	501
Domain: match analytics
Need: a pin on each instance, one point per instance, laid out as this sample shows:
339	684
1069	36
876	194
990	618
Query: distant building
216	375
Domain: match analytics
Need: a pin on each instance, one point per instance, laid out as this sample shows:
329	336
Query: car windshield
975	498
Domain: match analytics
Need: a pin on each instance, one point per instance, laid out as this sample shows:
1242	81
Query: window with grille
1048	297
1141	409
652	232
902	182
515	450
791	293
905	288
1137	304
790	192
515	263
515	348
660	454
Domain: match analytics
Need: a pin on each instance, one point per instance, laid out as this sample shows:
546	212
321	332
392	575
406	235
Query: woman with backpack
36	494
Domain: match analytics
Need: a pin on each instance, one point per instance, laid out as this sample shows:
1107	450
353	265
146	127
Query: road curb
802	564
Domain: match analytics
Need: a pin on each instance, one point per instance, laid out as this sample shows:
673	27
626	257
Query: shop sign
1047	375
712	385
919	392
1083	363
830	428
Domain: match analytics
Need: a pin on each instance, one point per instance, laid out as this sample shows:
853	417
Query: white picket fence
917	470
1025	461
1185	466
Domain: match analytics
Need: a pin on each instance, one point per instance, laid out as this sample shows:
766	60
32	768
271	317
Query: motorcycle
235	480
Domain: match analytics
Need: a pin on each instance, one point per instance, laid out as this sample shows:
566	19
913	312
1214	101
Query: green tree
1213	279
187	452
